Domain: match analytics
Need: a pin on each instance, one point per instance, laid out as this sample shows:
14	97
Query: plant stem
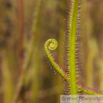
29	55
72	39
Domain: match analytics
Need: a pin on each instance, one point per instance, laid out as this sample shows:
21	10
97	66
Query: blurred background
25	25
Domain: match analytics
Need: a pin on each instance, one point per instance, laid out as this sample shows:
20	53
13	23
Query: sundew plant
72	51
75	40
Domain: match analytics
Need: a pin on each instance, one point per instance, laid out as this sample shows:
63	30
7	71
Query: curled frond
52	44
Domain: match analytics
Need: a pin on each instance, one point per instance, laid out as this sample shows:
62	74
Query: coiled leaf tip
51	44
